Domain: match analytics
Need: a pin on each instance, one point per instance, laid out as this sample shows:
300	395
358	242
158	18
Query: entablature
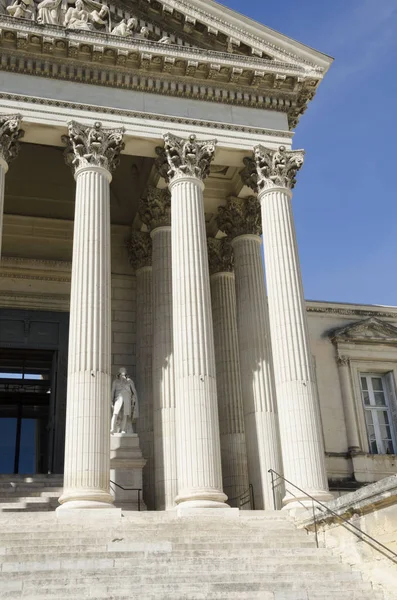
169	69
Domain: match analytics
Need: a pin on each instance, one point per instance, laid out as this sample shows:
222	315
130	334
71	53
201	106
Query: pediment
205	49
371	330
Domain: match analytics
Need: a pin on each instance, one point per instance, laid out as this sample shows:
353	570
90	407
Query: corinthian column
155	212
240	219
185	164
140	248
230	403
273	174
92	152
10	133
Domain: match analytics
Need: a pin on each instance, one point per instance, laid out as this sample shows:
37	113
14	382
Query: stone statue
126	28
87	15
49	12
22	9
124	404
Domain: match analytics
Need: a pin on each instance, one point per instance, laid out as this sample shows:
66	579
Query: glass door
25	405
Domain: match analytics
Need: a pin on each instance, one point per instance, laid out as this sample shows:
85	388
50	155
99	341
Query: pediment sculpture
83	15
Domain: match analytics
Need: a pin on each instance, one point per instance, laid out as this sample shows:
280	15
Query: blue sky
345	202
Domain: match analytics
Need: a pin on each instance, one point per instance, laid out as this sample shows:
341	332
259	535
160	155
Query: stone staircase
252	556
25	493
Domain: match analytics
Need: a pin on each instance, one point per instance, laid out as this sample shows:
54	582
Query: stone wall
373	509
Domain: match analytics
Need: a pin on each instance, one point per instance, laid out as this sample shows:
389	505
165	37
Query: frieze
140	115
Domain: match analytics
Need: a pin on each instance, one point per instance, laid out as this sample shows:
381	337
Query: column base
81	510
202	499
296	504
85	498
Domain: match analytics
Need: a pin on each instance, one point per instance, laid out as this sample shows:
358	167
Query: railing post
315	523
273	490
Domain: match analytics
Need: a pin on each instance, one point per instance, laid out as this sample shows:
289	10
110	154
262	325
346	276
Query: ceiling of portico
40	184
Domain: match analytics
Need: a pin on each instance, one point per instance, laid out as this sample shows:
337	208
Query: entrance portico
190	132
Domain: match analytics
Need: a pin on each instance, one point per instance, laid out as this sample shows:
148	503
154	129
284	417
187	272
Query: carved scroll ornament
93	146
185	158
10	134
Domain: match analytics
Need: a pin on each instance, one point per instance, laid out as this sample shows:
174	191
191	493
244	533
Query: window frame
374	368
375	409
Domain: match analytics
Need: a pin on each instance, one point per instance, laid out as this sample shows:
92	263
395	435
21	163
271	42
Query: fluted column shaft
231	418
144	381
259	400
353	439
10	133
87	453
3	171
166	480
197	431
300	428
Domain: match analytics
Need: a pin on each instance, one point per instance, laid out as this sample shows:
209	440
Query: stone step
174	537
283	557
99	593
98	589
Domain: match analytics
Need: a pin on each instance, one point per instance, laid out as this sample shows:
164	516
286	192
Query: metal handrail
246	497
362	535
139	490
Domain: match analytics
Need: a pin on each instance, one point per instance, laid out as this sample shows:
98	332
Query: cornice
57	104
103	59
257	43
346	312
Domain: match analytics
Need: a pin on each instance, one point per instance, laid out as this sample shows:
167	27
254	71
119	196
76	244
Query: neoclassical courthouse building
145	152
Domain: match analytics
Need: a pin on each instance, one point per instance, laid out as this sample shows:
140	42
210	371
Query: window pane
366	398
389	447
380	399
369	419
373	447
385	432
377	384
383	417
364	385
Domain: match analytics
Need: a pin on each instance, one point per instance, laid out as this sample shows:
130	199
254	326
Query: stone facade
181	139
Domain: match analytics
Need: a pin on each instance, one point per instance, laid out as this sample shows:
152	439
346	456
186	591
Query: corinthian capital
185	158
10	133
240	216
277	168
220	255
89	146
140	250
155	210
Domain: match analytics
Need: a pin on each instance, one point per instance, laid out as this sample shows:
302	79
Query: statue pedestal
126	464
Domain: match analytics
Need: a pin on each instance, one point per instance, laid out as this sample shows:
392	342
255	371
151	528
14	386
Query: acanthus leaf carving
140	250
155	209
88	146
240	216
220	255
10	134
277	168
185	158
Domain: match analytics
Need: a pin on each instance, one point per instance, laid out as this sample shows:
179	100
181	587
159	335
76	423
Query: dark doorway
27	393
